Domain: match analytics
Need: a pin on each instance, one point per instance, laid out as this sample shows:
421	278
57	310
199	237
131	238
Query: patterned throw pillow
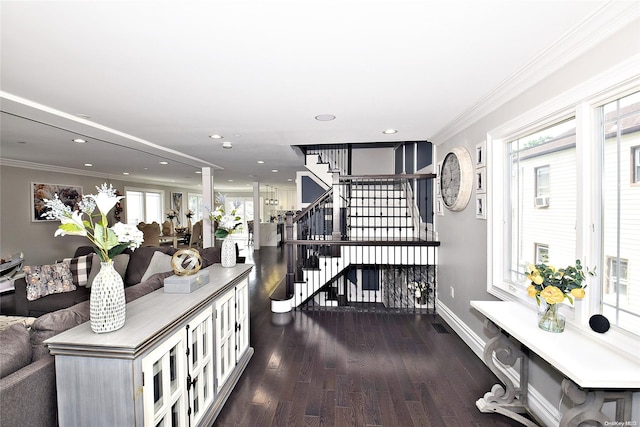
80	268
45	280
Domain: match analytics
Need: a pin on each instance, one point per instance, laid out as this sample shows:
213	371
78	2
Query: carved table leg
508	400
589	405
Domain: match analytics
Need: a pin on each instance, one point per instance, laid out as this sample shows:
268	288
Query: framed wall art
439	207
480	155
69	194
481	206
176	205
481	180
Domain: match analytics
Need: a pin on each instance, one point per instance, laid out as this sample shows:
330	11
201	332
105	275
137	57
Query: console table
175	361
594	373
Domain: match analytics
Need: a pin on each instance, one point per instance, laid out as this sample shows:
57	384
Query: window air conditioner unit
542	202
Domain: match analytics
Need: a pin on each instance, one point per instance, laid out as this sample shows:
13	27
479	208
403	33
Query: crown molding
603	23
84	172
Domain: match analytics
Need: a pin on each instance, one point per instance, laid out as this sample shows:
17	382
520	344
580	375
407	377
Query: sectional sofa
27	370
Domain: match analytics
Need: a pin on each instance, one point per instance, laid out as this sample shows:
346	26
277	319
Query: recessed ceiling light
215	136
260	161
79	140
83	116
389	131
199	172
325	117
290	179
125	173
226	144
274	170
164	163
88	164
229	180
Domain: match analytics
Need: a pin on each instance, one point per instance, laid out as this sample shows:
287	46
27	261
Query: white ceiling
157	78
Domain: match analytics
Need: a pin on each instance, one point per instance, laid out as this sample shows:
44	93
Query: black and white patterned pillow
80	268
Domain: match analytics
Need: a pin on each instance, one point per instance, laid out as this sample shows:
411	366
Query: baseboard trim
540	406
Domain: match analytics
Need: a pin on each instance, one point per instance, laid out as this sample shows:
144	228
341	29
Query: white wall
372	161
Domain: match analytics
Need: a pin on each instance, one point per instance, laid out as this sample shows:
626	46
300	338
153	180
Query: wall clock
456	179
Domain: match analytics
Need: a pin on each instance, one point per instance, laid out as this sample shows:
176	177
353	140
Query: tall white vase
228	253
107	302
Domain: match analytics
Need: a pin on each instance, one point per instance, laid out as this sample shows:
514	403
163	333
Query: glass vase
549	319
107	302
228	253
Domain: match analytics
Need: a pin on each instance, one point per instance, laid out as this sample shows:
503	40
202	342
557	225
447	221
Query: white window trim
581	102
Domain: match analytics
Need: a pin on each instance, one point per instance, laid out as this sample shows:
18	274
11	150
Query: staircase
316	282
379	226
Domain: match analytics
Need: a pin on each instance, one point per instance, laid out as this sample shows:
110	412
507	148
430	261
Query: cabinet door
242	318
163	391
200	364
225	337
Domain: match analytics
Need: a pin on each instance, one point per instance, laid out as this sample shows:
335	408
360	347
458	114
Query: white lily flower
106	198
71	225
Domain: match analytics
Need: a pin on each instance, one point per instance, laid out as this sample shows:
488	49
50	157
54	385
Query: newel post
288	237
336	233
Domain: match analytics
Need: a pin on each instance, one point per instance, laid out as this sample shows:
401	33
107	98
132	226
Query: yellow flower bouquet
554	285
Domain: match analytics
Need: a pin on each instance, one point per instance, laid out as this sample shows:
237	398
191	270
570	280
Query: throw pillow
160	263
139	262
119	263
80	268
43	280
15	349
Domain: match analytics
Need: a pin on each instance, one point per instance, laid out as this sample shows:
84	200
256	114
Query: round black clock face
456	179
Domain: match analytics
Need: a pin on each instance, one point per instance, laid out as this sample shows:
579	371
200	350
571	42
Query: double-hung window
196	205
582	165
144	205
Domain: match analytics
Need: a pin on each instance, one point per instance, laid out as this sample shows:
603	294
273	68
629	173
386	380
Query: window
635	166
542	253
620	137
584	157
542	181
244	211
144	205
530	159
197	207
615	281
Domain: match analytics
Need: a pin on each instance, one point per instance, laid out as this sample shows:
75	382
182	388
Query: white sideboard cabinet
174	363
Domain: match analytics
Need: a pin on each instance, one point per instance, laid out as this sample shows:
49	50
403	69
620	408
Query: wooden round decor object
456	179
186	262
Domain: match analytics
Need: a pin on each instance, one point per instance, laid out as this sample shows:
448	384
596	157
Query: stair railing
363	224
338	156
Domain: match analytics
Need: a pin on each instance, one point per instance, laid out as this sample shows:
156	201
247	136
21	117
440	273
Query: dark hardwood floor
352	369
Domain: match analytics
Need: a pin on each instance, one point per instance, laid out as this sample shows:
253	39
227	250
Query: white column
207	200
256	215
